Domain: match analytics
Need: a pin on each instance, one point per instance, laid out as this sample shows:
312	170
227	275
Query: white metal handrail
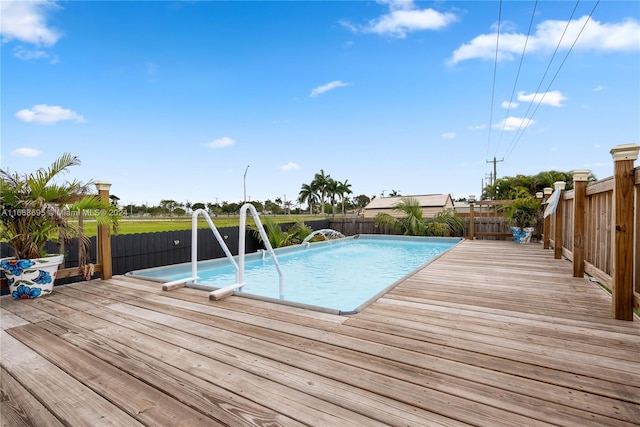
239	267
220	293
194	249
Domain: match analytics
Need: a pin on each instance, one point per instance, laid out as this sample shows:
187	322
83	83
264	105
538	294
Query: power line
554	76
495	72
515	83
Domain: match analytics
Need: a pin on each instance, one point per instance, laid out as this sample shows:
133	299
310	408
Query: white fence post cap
580	175
103	185
625	152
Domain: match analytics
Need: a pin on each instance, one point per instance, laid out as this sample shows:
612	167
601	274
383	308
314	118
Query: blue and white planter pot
522	236
31	278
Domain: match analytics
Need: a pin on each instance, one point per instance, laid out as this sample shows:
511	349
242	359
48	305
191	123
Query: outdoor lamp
472	200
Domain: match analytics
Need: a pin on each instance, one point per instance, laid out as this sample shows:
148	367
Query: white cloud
326	88
597	36
48	114
507	104
27	21
403	17
26	152
225	141
477	127
449	135
514	123
599	88
25	54
553	98
290	167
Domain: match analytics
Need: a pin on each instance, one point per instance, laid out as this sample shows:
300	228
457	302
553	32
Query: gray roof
425	200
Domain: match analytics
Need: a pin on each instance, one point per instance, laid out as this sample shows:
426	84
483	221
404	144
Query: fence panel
598	220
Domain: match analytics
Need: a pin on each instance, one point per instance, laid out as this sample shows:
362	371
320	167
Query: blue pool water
338	275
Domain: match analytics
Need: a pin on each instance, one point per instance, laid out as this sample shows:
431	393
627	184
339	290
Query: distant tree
394	193
179	211
214	208
230	208
156	210
343	188
168	206
309	196
198	205
272	207
361	201
320	183
258	205
509	188
332	192
287	207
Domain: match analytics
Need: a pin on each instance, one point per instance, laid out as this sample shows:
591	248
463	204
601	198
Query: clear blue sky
172	100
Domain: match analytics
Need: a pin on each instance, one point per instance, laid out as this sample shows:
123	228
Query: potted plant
35	208
523	216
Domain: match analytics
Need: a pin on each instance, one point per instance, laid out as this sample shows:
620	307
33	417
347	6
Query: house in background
431	204
461	207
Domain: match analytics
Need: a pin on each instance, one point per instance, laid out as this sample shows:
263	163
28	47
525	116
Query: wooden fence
486	221
359	225
597	228
145	250
489	224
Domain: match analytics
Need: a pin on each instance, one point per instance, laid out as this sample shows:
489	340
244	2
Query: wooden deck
491	334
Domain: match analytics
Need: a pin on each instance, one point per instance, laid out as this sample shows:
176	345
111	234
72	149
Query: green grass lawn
127	226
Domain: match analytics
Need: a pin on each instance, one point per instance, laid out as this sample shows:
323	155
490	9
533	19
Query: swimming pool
340	276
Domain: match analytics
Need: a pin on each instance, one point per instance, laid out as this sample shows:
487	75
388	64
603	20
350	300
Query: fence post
547	220
472	223
540	199
557	238
579	196
104	236
623	215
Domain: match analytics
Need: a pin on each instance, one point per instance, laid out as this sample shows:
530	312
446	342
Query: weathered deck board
490	333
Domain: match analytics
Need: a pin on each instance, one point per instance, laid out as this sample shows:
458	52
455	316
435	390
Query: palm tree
308	195
412	224
394	193
343	189
41	192
332	192
443	224
320	183
278	237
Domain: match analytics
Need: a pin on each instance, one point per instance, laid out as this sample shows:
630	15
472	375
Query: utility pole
495	173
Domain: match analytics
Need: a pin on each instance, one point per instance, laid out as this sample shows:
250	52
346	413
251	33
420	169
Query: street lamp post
244	182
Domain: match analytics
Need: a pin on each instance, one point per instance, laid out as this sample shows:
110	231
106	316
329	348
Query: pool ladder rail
239	266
